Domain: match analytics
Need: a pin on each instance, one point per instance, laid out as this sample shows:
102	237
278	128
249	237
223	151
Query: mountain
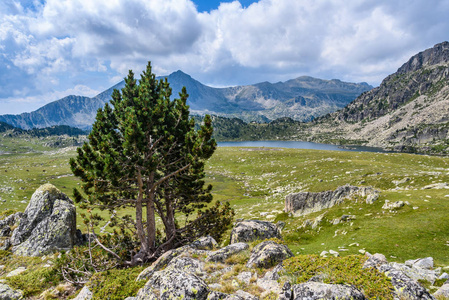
409	111
303	98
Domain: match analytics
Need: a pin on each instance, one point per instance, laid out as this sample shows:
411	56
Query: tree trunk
151	223
170	228
139	223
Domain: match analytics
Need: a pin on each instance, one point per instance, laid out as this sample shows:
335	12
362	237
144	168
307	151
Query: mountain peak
438	54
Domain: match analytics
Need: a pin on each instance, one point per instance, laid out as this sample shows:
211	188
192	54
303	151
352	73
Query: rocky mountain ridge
303	98
407	112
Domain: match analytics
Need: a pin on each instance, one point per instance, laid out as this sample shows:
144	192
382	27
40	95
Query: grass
256	181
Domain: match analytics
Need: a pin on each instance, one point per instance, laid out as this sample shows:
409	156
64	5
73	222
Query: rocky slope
407	112
303	98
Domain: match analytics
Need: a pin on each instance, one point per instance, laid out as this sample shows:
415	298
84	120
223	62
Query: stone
334	253
392	205
286	292
47	225
214	295
375	261
324	253
416	273
425	263
245	277
444	276
304	203
7	293
222	254
268	254
269	282
318	290
84	294
16	272
246	296
251	230
404	286
174	284
205	243
443	291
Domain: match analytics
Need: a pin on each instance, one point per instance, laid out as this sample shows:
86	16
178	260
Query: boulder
443	291
268	254
375	261
304	203
47	225
252	230
424	263
205	243
286	292
404	286
7	293
416	273
173	283
225	252
317	290
84	294
393	205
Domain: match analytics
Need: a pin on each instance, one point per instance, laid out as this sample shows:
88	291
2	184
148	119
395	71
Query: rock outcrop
304	203
7	293
318	290
268	254
47	225
252	230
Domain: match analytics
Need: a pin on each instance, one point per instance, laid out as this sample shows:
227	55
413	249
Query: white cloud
54	45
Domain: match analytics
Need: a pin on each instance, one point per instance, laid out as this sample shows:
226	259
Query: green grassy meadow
256	180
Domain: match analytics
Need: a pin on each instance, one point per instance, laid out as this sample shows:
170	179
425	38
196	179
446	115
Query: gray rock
7	293
252	230
443	291
246	296
84	294
205	243
416	273
403	285
286	292
47	225
304	203
131	298
214	295
245	277
174	284
186	264
268	254
444	276
424	263
16	272
269	282
5	244
317	290
375	261
222	254
393	205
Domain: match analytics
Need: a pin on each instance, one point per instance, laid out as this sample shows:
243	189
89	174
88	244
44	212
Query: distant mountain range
303	99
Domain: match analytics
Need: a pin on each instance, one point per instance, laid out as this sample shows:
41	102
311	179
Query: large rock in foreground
252	230
304	203
317	290
47	225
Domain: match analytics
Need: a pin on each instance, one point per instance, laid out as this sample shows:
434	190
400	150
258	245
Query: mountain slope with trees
409	111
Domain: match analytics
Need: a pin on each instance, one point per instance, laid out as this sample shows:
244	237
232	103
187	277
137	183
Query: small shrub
340	270
116	284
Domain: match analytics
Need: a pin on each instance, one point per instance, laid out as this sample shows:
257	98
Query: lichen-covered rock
424	263
317	290
222	254
403	285
205	243
84	294
7	293
268	254
269	282
375	261
252	230
304	203
214	295
174	284
443	291
246	296
47	225
416	273
393	205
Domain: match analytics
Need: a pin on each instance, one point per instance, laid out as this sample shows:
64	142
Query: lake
298	145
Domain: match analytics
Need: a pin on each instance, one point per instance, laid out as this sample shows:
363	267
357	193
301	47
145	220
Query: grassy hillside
256	182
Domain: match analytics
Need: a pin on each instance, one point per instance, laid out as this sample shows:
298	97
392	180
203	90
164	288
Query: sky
50	49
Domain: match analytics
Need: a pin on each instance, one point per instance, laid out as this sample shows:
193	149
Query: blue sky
50	49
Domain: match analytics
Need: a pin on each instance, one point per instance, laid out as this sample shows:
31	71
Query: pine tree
143	152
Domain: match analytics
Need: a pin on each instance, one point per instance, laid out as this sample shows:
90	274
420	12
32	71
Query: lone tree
143	152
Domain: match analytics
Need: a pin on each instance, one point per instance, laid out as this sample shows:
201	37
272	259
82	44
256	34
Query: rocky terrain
256	264
303	98
407	112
